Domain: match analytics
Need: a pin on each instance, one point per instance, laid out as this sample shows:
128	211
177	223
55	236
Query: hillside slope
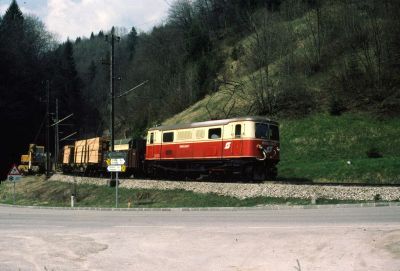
329	57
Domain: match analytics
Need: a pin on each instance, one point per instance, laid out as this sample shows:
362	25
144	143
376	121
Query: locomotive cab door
237	142
233	141
150	146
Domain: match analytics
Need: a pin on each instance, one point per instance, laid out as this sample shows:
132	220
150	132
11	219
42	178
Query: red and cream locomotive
246	147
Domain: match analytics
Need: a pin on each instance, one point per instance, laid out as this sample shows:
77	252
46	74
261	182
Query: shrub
374	153
377	197
237	52
336	106
294	99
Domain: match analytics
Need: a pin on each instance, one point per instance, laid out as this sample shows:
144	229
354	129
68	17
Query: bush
374	153
391	104
237	52
336	106
294	99
377	197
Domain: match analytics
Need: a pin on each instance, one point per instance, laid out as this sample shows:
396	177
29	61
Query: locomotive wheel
272	172
259	173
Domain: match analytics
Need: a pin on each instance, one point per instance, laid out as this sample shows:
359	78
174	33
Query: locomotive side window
200	134
262	130
168	137
151	138
238	130
184	135
214	133
274	132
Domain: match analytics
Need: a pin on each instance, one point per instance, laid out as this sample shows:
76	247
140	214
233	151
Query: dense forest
282	58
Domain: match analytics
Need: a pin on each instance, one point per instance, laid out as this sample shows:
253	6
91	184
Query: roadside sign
14	174
14	171
116	154
14	178
114	168
117	161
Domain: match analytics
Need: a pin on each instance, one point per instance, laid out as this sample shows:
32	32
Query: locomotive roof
210	123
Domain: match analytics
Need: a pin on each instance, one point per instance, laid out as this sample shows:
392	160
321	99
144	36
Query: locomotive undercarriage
244	169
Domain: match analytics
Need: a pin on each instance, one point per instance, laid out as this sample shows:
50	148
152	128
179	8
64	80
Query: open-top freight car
246	147
89	156
85	156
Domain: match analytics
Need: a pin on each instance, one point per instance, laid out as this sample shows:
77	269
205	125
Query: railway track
233	179
245	190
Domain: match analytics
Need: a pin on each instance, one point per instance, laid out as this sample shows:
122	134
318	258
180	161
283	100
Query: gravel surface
356	239
249	190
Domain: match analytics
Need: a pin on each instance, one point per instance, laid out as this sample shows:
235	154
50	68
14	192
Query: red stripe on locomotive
203	150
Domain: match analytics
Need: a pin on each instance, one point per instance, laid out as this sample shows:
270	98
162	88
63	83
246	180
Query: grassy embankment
318	148
36	191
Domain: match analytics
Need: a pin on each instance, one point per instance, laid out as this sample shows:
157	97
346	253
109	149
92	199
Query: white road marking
396	226
145	226
294	227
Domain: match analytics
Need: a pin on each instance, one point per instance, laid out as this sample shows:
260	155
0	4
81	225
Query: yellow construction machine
34	161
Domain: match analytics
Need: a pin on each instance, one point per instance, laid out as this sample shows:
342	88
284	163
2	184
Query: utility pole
47	128
113	38
56	138
112	86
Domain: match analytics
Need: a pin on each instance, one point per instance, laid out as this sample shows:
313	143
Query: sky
79	18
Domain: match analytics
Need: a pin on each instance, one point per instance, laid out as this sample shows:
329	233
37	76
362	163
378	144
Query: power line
132	89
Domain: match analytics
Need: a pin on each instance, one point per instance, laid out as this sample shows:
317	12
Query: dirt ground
202	248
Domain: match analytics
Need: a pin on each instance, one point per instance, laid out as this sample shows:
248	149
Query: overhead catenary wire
132	89
68	136
55	123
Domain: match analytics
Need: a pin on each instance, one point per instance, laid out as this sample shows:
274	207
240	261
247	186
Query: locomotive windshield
265	131
273	132
262	130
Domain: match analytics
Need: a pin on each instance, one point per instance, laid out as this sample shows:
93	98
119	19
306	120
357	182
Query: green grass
324	137
37	191
318	147
360	171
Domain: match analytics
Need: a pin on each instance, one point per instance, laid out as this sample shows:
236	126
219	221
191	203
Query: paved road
293	239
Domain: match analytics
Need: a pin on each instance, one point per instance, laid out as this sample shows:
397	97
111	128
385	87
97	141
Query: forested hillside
210	59
280	58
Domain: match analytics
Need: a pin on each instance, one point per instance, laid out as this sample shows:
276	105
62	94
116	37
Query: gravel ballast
250	190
